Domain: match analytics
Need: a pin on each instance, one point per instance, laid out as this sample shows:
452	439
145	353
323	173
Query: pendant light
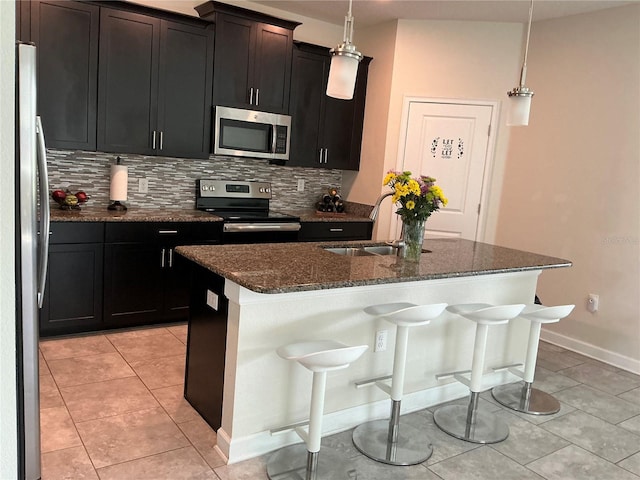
344	64
520	96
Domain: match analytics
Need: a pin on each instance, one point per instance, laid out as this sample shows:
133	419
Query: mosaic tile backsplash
172	180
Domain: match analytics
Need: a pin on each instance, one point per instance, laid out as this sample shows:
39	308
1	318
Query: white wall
8	431
572	182
436	59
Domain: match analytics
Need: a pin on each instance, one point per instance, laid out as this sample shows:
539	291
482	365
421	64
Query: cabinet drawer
76	232
206	232
148	232
311	231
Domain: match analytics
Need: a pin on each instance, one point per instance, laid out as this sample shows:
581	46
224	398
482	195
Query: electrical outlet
381	341
143	185
301	184
593	302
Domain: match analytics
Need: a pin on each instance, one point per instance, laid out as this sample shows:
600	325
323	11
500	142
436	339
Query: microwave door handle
274	137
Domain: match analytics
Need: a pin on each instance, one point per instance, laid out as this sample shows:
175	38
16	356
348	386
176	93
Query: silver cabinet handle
336	230
167	232
171	258
326	155
153	142
257	96
162	259
320	158
251	96
161	137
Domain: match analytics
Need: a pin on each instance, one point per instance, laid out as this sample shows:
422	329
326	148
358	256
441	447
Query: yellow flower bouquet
417	197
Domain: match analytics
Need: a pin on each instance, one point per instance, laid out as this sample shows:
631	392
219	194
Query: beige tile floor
112	409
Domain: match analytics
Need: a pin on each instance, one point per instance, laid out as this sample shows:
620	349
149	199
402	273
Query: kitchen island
247	300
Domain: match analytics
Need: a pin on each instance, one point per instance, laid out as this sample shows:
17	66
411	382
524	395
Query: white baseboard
237	449
607	356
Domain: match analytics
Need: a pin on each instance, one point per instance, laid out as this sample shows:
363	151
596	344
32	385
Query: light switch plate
301	184
143	185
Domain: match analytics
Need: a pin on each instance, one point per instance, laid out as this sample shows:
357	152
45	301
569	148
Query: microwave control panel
281	139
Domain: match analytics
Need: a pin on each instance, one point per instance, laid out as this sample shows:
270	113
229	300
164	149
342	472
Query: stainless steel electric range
244	206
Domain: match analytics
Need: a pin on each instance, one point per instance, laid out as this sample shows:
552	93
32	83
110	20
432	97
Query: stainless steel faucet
399	244
376	208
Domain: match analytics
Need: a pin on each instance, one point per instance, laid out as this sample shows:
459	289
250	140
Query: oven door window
245	136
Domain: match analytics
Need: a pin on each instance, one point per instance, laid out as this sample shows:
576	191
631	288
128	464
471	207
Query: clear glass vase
413	236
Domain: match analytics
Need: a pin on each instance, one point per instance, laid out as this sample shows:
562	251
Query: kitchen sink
372	250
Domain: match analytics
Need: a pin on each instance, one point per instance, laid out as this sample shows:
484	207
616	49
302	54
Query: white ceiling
372	12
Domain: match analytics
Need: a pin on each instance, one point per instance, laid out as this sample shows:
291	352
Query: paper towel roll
119	178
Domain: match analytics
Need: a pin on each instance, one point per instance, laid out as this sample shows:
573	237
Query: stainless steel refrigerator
32	220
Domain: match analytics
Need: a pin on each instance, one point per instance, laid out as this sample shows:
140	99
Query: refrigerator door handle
45	213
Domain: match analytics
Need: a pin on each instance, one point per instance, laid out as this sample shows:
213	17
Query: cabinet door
184	101
73	294
66	34
133	285
272	75
337	132
177	286
128	82
308	86
233	64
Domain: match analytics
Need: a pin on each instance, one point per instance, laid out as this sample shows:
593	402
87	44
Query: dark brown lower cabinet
115	275
145	280
206	345
73	292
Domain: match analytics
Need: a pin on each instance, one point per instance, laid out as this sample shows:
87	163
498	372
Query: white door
448	141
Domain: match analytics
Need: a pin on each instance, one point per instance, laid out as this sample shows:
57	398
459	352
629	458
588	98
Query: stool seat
322	355
396	441
487	315
406	314
542	314
521	396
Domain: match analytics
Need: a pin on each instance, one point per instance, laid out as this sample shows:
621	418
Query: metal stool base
488	428
521	397
290	463
412	445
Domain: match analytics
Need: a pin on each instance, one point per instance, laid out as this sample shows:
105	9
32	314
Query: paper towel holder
118	187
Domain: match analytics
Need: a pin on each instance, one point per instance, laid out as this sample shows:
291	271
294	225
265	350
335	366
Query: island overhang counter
247	300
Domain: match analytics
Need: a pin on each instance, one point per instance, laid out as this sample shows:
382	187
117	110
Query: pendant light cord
348	26
523	73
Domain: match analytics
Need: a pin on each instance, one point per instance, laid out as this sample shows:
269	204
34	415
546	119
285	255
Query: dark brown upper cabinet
325	132
154	95
252	65
66	37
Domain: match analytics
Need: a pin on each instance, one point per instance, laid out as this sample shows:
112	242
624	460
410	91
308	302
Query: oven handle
261	227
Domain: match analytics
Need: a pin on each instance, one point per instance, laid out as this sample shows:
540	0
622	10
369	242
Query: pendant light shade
344	64
519	108
520	96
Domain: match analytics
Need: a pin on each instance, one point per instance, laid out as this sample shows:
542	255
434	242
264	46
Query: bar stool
468	423
391	441
301	461
520	396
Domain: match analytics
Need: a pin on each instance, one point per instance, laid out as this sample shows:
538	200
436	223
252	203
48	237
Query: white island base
264	392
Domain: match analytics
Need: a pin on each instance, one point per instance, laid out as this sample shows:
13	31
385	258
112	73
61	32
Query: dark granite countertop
101	214
294	267
310	215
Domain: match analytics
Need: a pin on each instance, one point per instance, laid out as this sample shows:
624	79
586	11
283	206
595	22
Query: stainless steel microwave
247	133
